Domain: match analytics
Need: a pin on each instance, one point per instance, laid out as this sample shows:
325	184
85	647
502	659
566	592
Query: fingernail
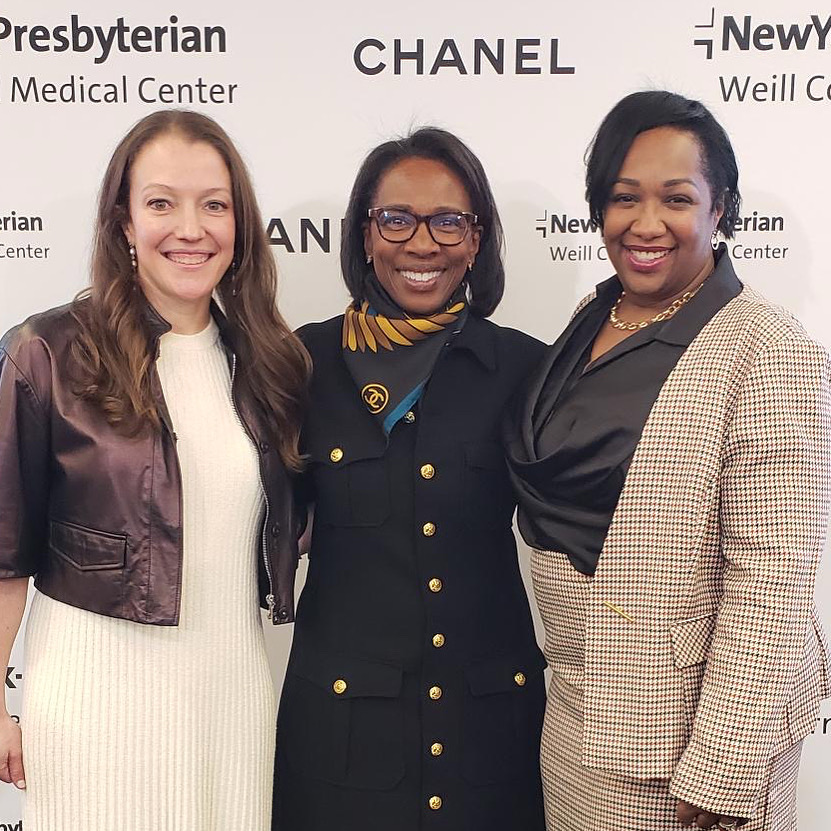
21	784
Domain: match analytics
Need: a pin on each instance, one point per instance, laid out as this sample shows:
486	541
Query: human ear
368	241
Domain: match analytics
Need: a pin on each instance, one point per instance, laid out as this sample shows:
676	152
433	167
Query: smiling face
182	225
659	220
420	275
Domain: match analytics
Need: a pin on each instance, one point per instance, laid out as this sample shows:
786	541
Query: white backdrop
306	89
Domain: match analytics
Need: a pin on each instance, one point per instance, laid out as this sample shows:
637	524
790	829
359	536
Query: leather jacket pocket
351	486
487	498
502	718
87	549
342	720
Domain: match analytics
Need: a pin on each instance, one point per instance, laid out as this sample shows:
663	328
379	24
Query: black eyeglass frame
472	219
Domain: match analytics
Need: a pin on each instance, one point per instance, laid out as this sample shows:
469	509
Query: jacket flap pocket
504	673
347	676
341	451
350	483
86	548
691	639
485	454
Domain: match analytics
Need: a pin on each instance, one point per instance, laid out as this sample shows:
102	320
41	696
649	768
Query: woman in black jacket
414	691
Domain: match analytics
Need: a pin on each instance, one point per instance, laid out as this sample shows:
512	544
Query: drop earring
470	265
714	240
234	283
133	260
368	259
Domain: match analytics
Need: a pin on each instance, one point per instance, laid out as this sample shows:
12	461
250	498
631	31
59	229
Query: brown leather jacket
96	517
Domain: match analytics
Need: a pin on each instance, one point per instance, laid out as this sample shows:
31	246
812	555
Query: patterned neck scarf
391	355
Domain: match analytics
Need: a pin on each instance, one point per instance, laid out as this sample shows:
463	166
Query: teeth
420	276
187	259
648	256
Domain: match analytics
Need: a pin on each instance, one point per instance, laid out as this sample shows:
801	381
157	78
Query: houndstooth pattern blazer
704	655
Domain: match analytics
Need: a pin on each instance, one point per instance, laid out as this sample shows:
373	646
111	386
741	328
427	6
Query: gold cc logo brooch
376	397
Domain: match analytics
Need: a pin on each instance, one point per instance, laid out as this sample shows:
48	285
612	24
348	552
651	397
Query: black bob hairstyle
487	279
642	111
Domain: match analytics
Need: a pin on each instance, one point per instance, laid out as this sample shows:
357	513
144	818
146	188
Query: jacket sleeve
24	472
774	500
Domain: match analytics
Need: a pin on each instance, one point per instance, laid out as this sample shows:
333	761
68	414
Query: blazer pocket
487	498
342	720
85	548
502	718
691	639
351	484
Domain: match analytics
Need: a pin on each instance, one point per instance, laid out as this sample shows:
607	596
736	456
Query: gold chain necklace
664	315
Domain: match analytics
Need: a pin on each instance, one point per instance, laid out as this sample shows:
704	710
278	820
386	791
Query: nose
421	243
189	223
648	222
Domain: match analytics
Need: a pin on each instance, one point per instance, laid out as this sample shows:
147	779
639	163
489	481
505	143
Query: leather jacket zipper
269	598
167	423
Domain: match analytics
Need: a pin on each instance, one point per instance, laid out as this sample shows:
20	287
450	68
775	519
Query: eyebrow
670	183
208	192
409	208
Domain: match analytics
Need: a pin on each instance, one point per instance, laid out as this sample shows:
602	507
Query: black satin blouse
572	439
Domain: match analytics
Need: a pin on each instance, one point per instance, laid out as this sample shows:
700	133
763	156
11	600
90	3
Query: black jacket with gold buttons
414	693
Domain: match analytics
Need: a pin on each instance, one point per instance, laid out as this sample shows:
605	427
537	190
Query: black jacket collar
478	338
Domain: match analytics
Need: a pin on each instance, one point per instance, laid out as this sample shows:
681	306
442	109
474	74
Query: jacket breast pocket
691	639
502	718
487	498
85	548
342	720
351	488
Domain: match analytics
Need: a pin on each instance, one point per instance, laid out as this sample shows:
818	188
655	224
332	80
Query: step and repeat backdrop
307	89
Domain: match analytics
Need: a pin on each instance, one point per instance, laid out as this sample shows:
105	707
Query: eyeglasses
445	228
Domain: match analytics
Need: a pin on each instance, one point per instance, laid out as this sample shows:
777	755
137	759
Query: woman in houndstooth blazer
671	457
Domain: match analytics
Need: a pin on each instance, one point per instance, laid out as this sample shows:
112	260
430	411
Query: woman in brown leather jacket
146	442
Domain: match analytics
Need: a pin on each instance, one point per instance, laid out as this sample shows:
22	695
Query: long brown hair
113	348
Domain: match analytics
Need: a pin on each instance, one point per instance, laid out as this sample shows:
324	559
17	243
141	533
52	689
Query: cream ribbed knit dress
129	727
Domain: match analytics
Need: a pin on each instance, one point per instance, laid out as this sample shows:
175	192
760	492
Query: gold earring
234	281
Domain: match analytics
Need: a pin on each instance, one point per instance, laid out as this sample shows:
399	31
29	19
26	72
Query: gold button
520	679
435	802
336	455
339	686
409	416
435	585
438	640
437	749
427	471
435	693
428	529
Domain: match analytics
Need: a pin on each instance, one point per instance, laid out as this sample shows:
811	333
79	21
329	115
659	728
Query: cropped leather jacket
96	516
